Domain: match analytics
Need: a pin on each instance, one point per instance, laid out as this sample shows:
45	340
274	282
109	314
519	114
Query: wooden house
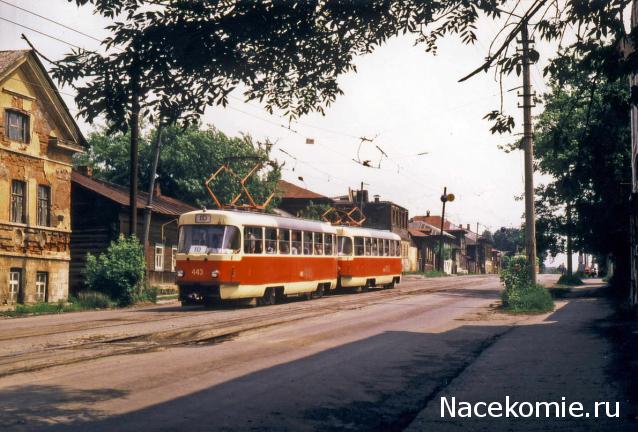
100	215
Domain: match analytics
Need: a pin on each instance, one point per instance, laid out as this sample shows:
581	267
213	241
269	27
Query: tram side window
344	245
358	246
385	247
318	243
391	244
375	247
284	242
271	240
368	245
253	240
295	249
397	248
328	243
307	243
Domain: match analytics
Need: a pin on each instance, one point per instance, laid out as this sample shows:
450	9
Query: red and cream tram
228	254
368	257
225	254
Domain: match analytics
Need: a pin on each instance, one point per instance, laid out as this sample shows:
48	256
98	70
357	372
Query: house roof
9	60
417	233
291	191
120	194
13	59
426	229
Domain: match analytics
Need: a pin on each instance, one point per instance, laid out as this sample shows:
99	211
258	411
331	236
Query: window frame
297	245
25	139
47	208
15	296
253	229
44	296
268	242
307	243
358	249
158	258
23	203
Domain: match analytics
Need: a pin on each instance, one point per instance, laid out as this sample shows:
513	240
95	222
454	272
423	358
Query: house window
15	284
44	205
159	257
17	126
41	285
18	204
173	258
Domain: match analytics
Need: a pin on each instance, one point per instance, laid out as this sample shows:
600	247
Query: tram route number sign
202	218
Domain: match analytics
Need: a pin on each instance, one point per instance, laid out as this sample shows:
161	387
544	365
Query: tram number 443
197	272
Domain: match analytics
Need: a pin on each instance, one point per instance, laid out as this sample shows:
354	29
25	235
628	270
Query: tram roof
239	217
367	232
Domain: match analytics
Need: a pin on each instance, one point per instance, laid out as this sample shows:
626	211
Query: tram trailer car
368	257
226	254
229	254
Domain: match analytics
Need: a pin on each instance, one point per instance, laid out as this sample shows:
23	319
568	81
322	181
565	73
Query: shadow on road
376	384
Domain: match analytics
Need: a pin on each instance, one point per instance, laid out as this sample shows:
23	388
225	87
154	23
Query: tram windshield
219	239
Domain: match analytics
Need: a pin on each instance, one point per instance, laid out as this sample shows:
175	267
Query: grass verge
529	299
568	280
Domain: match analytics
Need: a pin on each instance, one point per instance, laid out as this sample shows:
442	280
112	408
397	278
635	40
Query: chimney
362	196
376	198
85	170
157	191
468	227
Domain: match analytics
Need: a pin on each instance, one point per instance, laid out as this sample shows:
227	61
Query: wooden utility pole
134	128
528	148
151	189
444	200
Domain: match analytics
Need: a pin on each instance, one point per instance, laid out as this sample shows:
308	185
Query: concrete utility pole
528	148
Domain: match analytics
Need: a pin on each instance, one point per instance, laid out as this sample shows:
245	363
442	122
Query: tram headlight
214	273
180	273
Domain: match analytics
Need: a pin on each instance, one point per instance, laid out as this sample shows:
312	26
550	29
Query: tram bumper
198	293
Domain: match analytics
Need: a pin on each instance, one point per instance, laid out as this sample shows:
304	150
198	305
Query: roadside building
425	238
383	215
294	199
100	214
38	138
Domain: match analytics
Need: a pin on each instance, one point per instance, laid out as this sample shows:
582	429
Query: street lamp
444	199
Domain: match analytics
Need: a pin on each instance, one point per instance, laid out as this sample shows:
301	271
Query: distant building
38	138
100	215
426	239
294	199
384	215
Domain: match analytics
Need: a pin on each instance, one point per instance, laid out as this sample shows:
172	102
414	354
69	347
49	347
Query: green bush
148	295
92	300
119	272
569	280
520	294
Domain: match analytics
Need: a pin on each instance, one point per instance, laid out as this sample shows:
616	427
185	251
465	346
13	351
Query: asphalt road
369	361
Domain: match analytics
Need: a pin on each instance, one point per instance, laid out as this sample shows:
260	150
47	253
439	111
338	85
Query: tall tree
187	158
582	142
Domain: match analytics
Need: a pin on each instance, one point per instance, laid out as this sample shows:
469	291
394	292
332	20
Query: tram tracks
211	330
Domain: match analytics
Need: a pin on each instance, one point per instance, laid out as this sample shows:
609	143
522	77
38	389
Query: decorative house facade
38	138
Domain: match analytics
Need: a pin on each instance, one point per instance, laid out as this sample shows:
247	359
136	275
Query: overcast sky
408	100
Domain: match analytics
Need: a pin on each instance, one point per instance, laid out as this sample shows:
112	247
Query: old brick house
38	138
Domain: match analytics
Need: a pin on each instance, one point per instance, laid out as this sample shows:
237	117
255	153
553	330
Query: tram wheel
269	298
319	292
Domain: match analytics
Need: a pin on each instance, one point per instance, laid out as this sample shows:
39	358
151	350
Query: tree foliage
508	240
582	142
188	157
